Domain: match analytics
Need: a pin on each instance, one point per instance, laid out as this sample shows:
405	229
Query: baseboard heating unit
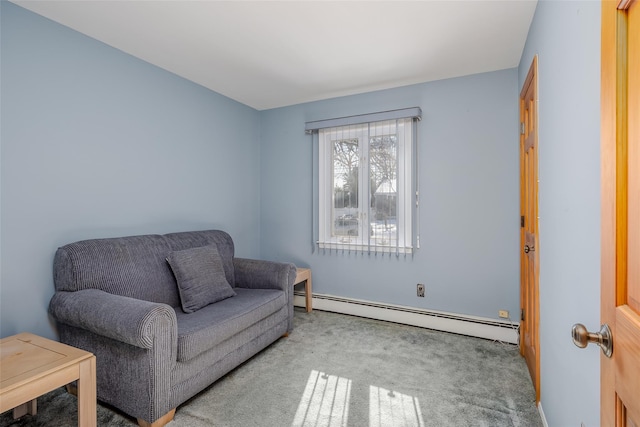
474	326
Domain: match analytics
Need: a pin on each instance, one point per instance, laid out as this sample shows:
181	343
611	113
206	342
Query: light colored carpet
337	370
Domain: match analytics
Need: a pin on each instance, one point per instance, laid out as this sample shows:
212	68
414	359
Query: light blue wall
96	143
566	36
469	185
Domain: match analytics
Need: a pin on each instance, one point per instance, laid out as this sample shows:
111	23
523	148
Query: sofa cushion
200	277
215	323
192	239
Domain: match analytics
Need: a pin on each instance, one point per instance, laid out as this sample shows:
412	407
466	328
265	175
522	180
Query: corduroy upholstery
118	299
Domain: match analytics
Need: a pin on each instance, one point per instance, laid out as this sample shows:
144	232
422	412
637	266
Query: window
365	186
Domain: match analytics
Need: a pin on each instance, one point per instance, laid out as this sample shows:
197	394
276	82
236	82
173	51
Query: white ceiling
269	54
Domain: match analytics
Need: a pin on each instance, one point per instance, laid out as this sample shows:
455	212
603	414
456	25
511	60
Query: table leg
87	393
304	275
30	408
308	294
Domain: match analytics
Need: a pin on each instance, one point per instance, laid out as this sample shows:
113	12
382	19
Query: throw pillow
200	276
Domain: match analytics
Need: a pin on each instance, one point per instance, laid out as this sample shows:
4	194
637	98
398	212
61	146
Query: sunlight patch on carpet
390	408
325	401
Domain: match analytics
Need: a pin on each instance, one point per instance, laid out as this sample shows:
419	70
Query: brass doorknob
582	338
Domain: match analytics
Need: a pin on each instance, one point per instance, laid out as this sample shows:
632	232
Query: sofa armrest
260	274
124	319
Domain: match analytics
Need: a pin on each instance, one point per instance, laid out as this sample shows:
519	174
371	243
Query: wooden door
529	339
620	282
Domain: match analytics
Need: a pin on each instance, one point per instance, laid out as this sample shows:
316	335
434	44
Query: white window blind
367	195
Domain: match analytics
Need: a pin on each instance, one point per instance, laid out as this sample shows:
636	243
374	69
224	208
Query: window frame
367	239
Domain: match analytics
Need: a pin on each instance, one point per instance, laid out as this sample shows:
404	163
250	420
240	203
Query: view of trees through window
381	166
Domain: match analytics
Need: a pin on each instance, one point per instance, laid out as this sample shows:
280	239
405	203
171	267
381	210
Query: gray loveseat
123	299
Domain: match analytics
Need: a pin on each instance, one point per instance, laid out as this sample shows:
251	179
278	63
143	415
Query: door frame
534	369
608	133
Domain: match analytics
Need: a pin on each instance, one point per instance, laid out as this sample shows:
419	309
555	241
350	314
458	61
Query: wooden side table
31	366
304	275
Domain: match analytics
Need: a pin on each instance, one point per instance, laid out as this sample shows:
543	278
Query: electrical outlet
420	290
504	314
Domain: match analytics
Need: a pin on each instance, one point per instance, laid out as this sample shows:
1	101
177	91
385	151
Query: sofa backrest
133	266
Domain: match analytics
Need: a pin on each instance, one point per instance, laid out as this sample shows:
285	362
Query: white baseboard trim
474	326
542	417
